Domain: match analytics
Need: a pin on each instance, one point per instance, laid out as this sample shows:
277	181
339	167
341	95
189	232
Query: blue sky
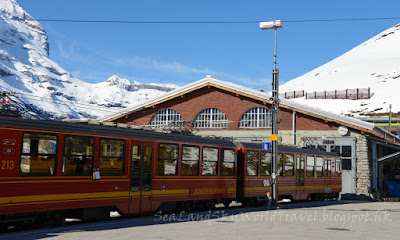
184	53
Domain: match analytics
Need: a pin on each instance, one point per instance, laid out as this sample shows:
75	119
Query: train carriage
49	166
301	173
51	170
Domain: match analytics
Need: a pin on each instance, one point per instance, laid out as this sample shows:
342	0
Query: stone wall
363	171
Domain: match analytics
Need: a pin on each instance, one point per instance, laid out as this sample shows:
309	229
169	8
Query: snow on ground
374	64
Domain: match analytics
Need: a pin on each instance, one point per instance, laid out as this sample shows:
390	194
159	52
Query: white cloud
147	62
68	52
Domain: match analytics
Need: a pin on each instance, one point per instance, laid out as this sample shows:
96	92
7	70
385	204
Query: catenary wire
206	22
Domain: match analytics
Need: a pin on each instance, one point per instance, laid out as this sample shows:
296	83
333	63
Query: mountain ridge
373	64
45	90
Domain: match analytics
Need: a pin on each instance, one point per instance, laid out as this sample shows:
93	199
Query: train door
327	176
240	173
141	178
300	189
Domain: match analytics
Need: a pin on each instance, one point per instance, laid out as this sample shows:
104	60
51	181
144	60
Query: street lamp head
271	24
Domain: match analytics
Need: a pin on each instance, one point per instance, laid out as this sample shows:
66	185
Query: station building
212	107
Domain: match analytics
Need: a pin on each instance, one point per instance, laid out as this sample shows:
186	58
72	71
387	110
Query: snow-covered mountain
46	90
374	63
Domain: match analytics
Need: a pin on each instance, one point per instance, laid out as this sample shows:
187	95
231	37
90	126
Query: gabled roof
205	82
263	97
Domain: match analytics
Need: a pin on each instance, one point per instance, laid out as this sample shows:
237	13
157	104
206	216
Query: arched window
211	118
166	118
257	117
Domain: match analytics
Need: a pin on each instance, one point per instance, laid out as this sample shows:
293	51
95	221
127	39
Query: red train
52	170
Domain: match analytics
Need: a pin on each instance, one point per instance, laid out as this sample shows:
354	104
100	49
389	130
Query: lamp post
275	106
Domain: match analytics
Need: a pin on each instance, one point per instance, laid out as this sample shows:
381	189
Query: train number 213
7	165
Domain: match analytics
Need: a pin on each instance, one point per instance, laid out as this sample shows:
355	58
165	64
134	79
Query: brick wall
189	105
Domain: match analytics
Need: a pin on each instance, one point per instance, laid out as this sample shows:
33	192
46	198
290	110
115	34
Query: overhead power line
343	19
209	22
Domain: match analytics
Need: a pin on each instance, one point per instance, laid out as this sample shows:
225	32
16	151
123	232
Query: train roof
290	149
106	130
58	126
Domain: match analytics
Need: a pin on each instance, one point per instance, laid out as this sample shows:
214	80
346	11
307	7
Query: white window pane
190	153
210	154
229	156
257	117
167	118
211	118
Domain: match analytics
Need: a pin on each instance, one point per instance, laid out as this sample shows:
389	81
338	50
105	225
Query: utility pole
390	118
274	108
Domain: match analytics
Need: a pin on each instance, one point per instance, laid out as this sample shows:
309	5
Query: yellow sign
208	191
273	137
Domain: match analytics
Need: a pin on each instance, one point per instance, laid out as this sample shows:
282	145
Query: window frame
159	159
198	160
206	119
93	153
328	168
223	160
307	165
280	165
164	117
320	173
293	165
151	167
256	163
202	161
255	117
123	154
338	167
55	157
270	163
135	177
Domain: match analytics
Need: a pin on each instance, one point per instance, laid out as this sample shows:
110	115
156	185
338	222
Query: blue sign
266	146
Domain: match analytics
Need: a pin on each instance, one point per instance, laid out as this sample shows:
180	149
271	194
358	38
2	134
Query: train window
168	159
78	155
337	166
289	164
210	161
228	162
310	166
327	167
135	170
280	165
39	154
300	171
266	159
147	168
112	157
319	167
252	163
190	161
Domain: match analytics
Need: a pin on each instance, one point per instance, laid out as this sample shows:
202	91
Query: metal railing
354	94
